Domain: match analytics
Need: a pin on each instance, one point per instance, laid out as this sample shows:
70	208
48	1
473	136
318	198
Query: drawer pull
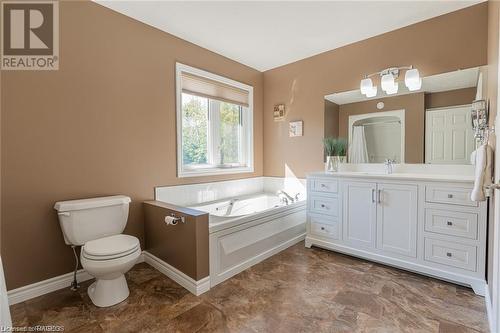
450	196
449	223
323	206
448	254
323	185
322	228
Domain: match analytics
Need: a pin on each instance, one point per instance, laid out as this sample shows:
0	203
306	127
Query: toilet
97	224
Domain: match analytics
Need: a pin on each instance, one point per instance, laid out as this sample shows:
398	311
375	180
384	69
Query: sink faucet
389	165
284	197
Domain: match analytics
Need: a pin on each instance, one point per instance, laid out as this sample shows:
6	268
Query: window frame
247	121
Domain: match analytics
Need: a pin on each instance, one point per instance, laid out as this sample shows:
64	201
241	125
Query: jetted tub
248	229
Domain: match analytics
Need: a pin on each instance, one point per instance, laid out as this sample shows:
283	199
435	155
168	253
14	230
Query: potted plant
329	144
335	149
340	150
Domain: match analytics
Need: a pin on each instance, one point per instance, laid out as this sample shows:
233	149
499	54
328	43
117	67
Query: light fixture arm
391	70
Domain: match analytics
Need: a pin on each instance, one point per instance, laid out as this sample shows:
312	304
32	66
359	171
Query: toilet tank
88	219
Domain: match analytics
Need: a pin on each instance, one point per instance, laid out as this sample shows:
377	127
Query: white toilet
96	224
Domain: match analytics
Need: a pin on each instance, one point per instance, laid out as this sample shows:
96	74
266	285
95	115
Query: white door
360	214
397	218
449	138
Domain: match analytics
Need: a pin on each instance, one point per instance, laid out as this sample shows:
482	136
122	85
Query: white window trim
247	148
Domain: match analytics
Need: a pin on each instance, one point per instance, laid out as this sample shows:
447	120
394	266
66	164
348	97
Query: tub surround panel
184	245
184	195
187	195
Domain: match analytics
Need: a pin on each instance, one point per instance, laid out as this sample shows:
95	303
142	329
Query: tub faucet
284	197
389	165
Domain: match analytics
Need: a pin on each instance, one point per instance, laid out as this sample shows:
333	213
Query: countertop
396	175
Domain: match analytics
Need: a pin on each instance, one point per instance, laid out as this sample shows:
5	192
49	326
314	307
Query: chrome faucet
284	197
389	165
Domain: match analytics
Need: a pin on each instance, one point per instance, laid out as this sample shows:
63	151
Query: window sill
213	171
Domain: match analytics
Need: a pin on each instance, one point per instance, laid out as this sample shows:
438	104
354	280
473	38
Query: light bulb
387	82
389	85
372	92
366	85
413	80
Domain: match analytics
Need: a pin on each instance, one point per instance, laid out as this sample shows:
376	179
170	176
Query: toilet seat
111	247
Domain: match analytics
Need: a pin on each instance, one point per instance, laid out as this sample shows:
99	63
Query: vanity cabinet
428	227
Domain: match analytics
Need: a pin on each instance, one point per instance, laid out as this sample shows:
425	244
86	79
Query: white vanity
419	218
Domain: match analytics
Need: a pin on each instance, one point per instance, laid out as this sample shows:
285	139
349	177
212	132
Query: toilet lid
111	246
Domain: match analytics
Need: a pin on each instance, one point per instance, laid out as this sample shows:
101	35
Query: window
214	124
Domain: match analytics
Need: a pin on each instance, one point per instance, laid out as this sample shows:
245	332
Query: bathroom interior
171	166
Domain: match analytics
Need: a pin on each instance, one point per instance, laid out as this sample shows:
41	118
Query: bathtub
248	229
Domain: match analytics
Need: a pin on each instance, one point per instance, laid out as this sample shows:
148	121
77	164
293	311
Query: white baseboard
489	310
46	286
195	287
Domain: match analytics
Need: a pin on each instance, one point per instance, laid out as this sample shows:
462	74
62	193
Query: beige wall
331	119
442	44
413	104
450	98
103	124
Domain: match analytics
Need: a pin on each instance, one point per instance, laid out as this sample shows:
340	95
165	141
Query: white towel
482	174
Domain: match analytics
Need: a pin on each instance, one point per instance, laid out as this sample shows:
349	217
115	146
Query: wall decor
279	112
296	128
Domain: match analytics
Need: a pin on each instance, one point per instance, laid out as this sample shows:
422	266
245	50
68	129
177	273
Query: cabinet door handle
449	223
450	196
448	254
379	196
373	195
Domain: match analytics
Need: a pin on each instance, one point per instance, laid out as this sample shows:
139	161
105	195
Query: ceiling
465	78
269	34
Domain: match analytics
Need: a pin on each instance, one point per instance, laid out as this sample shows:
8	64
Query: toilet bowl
96	224
108	259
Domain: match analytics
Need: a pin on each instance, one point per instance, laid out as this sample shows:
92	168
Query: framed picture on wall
296	128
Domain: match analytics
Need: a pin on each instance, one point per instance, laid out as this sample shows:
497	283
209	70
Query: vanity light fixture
388	81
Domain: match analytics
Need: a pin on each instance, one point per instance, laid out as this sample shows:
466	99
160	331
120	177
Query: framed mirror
432	125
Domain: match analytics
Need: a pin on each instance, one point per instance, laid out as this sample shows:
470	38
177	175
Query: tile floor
298	290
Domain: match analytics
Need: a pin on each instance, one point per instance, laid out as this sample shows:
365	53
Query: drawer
451	223
324	228
450	254
324	185
323	205
449	195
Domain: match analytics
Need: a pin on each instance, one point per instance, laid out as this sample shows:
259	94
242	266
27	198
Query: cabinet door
360	214
397	218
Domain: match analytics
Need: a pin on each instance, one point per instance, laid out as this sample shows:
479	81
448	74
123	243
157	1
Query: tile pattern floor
298	290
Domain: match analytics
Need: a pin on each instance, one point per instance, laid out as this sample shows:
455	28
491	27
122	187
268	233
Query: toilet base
104	293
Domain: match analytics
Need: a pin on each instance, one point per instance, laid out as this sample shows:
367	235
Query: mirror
432	125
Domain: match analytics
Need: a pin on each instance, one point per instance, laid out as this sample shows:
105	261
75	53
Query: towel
482	173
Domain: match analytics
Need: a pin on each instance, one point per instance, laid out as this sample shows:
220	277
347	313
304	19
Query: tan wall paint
413	104
450	98
443	44
183	246
331	119
103	124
